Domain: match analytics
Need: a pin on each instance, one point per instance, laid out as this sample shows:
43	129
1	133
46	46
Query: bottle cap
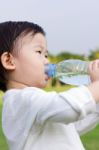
50	70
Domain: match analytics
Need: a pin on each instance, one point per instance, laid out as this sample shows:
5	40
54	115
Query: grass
90	140
3	144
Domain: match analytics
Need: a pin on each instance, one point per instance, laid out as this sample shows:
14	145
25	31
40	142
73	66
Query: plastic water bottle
71	71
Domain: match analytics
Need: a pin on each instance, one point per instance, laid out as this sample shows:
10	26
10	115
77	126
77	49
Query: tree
94	54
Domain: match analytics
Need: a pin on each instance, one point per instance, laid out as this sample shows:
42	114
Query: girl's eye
39	52
46	56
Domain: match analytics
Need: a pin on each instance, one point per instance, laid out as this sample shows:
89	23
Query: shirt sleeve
88	123
38	106
65	107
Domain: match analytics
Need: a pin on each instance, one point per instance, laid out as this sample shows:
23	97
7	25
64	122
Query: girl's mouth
47	77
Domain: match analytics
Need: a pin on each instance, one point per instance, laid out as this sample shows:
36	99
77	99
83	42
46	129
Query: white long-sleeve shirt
33	119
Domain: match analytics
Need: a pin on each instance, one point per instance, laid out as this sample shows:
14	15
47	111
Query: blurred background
72	31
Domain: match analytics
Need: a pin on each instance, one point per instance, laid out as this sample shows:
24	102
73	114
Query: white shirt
33	119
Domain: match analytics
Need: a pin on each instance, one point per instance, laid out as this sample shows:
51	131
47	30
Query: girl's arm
88	123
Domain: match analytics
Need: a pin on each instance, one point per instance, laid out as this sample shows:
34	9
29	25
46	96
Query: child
33	119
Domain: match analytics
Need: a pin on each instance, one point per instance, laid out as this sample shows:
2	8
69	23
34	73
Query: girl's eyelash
39	52
46	56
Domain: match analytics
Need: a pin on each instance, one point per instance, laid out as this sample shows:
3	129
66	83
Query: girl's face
31	60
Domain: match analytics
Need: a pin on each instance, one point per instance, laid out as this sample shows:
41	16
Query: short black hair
9	32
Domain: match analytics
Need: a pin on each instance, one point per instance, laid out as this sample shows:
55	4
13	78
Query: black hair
9	32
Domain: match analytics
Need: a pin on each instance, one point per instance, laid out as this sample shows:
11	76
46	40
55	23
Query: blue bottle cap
50	70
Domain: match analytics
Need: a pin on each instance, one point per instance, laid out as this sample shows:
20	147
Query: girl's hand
94	70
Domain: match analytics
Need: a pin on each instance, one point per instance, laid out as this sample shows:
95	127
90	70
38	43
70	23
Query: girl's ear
7	61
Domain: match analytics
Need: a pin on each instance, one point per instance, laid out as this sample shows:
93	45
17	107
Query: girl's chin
42	85
45	84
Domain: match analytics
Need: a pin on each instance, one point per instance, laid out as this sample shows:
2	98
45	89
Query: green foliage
64	55
3	143
54	81
94	54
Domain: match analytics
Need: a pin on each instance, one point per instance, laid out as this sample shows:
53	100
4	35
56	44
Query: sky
70	25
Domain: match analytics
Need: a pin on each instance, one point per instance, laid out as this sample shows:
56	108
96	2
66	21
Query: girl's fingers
94	70
97	63
94	65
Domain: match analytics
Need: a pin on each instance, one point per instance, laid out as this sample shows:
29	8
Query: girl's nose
46	61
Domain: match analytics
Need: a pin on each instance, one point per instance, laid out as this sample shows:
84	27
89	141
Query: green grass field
3	144
90	140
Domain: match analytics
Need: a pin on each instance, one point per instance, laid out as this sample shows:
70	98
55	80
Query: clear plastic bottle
71	71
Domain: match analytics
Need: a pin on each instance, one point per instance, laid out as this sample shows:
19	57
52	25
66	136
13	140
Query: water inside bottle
74	72
74	78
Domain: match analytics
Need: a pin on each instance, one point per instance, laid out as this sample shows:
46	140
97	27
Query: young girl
33	119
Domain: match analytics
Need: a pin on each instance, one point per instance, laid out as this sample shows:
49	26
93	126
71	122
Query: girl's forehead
37	36
32	41
37	39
